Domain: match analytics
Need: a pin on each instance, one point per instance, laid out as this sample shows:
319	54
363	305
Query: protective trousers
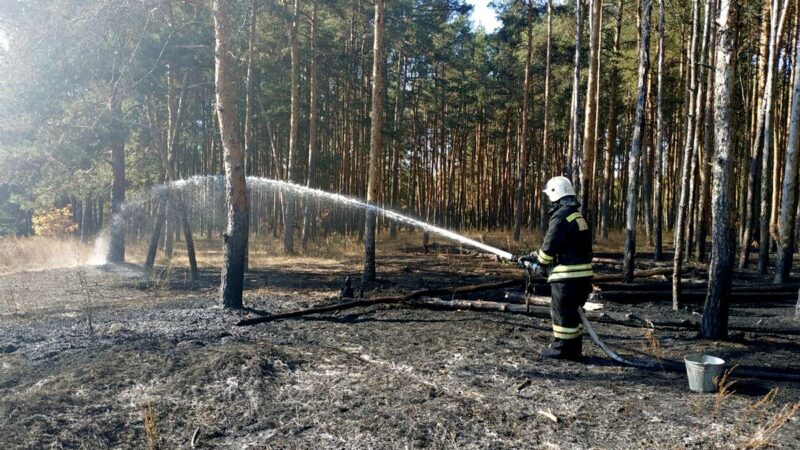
567	297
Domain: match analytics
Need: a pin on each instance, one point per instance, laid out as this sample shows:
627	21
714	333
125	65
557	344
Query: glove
525	260
538	270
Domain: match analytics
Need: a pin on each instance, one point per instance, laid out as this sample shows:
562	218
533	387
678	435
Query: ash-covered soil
84	353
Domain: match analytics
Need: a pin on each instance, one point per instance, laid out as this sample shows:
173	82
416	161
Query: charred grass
164	367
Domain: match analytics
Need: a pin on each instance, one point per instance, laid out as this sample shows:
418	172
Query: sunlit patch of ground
37	253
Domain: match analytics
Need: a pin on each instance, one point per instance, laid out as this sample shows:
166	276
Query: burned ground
85	351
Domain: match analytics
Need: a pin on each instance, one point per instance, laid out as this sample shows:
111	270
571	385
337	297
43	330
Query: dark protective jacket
567	246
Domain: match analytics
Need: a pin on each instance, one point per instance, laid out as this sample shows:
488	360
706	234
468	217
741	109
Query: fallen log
519	298
636	274
667	287
532	310
630	297
622	319
382	300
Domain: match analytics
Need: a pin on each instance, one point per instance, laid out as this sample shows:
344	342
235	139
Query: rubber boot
563	349
573	348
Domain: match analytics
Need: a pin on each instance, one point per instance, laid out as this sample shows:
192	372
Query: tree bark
116	247
688	153
715	312
249	134
294	123
590	119
660	141
155	237
703	101
543	219
167	152
575	135
611	130
235	238
636	143
394	195
373	183
311	179
777	20
523	139
786	224
756	138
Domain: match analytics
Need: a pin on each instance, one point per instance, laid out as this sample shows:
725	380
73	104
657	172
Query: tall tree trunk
575	117
158	226
235	239
311	179
546	126
116	248
249	134
715	313
636	143
660	140
702	97
173	207
373	183
294	123
611	130
590	119
523	139
786	223
777	20
394	199
757	135
688	154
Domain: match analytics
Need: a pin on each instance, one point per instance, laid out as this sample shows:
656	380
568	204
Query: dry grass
37	253
764	435
654	346
150	429
723	390
764	402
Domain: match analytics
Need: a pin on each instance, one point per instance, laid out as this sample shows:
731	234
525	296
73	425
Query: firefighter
566	259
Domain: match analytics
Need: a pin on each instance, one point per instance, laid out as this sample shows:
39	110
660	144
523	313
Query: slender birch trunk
636	143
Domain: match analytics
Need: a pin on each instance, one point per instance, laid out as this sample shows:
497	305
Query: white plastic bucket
702	370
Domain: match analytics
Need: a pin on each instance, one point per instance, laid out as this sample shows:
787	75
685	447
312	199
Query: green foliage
70	65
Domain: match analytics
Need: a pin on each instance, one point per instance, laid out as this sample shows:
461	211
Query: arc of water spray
303	190
269	183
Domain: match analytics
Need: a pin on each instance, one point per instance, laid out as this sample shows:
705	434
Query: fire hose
530	280
672	366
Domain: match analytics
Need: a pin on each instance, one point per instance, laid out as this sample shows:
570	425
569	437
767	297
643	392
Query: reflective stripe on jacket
567	246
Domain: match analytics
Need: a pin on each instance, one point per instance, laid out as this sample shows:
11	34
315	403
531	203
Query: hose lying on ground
674	366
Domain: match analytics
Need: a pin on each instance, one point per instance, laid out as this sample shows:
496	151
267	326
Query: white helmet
558	187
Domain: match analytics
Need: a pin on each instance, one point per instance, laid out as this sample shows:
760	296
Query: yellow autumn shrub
54	222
